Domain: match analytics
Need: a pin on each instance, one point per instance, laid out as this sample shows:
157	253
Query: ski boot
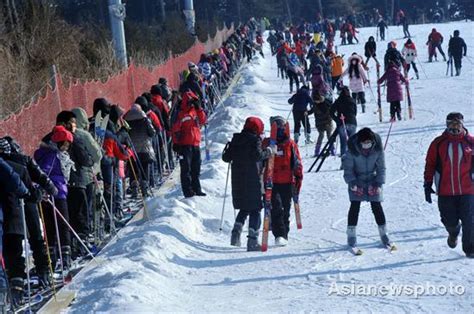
417	75
236	232
399	115
458	71
363	108
297	137
252	242
44	278
66	254
453	236
317	150
281	241
17	292
4	306
351	236
384	238
308	139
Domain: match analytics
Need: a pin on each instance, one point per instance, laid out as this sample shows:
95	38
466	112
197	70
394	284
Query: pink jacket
356	84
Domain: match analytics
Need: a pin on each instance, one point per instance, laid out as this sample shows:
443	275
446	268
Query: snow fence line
66	294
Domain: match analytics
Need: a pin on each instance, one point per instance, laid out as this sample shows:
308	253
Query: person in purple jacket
54	160
394	79
320	87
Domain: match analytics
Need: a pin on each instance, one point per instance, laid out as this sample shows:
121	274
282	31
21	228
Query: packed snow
178	260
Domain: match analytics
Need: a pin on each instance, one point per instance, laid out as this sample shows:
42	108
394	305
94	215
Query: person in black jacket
300	102
323	120
370	50
11	151
393	55
192	82
246	155
344	113
10	184
457	48
382	26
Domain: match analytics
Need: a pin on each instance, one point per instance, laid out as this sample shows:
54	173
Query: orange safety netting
36	119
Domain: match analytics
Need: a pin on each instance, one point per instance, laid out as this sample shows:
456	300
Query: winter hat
143	103
454	117
456	33
5	147
163	81
365	134
192	66
254	124
102	105
60	134
155	90
115	113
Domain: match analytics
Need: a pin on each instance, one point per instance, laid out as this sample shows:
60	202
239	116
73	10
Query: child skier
409	53
394	79
246	155
287	179
364	172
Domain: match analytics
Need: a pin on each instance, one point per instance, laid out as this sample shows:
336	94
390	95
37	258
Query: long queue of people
83	181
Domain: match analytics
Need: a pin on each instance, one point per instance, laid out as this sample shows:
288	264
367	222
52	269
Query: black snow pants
281	205
190	162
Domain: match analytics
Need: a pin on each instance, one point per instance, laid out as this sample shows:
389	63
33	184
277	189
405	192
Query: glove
428	191
358	191
51	189
35	196
297	186
374	190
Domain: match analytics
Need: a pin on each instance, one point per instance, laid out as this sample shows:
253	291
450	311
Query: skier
344	113
287	178
450	162
186	135
337	68
323	121
435	40
53	159
319	83
394	79
404	22
457	48
382	26
364	172
357	79
370	49
409	53
246	155
300	102
295	72
392	55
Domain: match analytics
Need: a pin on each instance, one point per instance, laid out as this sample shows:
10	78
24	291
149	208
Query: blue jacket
301	100
10	182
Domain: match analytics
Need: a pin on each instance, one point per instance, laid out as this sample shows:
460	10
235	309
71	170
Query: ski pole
112	190
145	209
58	238
27	251
225	196
48	254
56	210
388	135
421	66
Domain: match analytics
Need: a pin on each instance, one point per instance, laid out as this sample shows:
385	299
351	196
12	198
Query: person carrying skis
246	155
409	53
449	164
457	48
435	40
295	72
323	120
287	179
300	102
344	113
370	49
394	79
357	79
364	173
382	26
186	134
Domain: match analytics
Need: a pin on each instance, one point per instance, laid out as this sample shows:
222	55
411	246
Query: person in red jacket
186	133
160	106
435	40
450	162
287	179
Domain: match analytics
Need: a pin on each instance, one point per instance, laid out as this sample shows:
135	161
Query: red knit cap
60	134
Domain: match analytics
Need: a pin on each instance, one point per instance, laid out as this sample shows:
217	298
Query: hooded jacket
364	170
186	129
90	144
246	155
301	100
409	52
141	132
394	79
318	82
356	84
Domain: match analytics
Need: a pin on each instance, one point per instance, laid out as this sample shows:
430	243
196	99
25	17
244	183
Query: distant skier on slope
364	172
457	48
409	53
300	101
450	162
246	155
287	175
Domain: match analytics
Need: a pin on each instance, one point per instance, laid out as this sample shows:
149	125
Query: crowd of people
88	172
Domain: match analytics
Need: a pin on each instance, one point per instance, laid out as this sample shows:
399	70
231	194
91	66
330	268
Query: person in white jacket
409	53
357	79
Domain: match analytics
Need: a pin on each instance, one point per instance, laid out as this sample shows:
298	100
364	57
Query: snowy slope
179	261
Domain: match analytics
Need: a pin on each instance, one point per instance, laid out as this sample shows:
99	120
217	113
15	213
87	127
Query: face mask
367	145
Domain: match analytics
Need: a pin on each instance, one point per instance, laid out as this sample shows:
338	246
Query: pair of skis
357	251
268	193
